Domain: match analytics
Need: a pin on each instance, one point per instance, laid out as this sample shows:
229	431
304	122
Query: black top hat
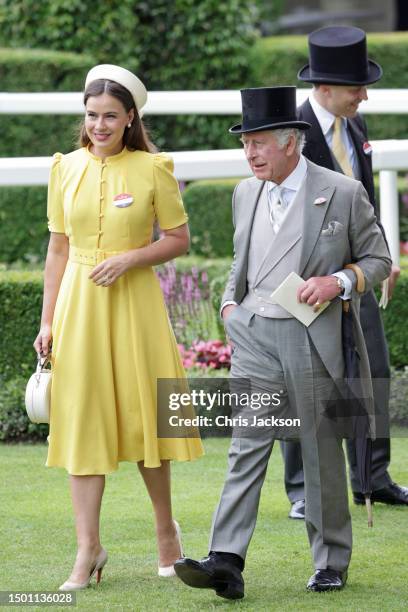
268	108
338	56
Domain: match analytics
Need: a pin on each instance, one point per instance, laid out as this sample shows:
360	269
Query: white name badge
123	200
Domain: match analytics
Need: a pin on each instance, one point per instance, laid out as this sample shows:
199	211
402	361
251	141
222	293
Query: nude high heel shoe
168	570
100	563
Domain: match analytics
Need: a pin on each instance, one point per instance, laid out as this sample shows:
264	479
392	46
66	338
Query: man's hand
226	311
392	279
317	290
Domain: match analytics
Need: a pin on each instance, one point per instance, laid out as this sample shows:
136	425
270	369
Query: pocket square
320	201
333	228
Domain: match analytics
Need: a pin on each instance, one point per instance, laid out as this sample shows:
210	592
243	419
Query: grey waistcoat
272	256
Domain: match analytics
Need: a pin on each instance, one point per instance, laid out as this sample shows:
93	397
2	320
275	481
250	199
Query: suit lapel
358	139
314	212
243	236
316	148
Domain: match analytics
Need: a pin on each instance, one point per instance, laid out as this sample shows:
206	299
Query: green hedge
20	312
24	234
187	48
189	56
20	300
208	204
276	60
23	224
35	71
395	319
14	423
172	45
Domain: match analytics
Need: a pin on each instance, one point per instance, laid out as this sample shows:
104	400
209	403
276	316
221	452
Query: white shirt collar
324	117
295	178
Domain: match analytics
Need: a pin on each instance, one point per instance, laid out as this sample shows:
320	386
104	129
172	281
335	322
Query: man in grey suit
292	216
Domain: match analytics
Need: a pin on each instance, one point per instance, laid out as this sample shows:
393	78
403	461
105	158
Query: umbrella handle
369	508
359	275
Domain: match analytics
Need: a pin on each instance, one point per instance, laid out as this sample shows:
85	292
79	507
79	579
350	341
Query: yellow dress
111	344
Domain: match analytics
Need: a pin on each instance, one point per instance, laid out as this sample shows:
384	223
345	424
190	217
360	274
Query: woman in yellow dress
104	313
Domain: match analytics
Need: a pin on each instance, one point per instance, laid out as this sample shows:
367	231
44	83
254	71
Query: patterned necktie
277	208
339	149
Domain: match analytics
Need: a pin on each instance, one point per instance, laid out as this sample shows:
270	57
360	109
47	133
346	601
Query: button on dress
111	344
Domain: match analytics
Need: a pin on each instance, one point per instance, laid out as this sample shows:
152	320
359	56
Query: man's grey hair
282	138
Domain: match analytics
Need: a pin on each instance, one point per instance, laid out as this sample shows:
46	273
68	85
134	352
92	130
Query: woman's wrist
131	259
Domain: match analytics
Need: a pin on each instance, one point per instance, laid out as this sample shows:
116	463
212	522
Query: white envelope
286	296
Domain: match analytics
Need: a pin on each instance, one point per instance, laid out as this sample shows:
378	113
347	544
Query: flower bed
213	355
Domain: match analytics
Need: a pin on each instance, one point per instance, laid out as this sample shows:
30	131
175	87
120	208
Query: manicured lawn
38	547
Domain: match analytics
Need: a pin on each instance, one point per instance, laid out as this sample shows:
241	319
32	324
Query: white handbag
38	393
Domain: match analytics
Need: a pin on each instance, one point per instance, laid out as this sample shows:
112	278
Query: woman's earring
129	125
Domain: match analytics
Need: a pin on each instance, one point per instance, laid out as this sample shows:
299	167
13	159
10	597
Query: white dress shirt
285	193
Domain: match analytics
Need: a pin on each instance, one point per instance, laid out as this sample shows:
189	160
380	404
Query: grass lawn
38	546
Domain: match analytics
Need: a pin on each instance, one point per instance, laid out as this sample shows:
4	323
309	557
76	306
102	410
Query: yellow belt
90	257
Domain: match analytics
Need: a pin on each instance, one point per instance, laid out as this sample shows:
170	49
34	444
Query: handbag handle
42	363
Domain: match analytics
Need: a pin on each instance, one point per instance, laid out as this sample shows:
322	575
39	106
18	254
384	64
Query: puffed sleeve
55	209
168	204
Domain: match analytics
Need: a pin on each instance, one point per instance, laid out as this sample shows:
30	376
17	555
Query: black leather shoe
327	580
393	495
212	572
297	510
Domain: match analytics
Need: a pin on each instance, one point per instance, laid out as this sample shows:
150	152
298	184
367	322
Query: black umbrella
350	412
358	422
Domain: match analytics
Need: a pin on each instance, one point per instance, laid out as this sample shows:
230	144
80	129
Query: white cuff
348	285
227	303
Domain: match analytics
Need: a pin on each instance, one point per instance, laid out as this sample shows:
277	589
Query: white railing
220	102
389	156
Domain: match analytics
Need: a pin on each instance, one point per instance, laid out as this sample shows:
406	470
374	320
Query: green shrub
395	318
277	60
20	312
23	224
106	30
399	397
21	299
208	204
24	234
34	71
20	309
15	425
214	267
180	44
196	44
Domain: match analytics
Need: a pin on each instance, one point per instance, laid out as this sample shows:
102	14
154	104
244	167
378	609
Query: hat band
345	76
267	120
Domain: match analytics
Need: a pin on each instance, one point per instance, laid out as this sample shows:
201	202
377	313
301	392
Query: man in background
340	71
